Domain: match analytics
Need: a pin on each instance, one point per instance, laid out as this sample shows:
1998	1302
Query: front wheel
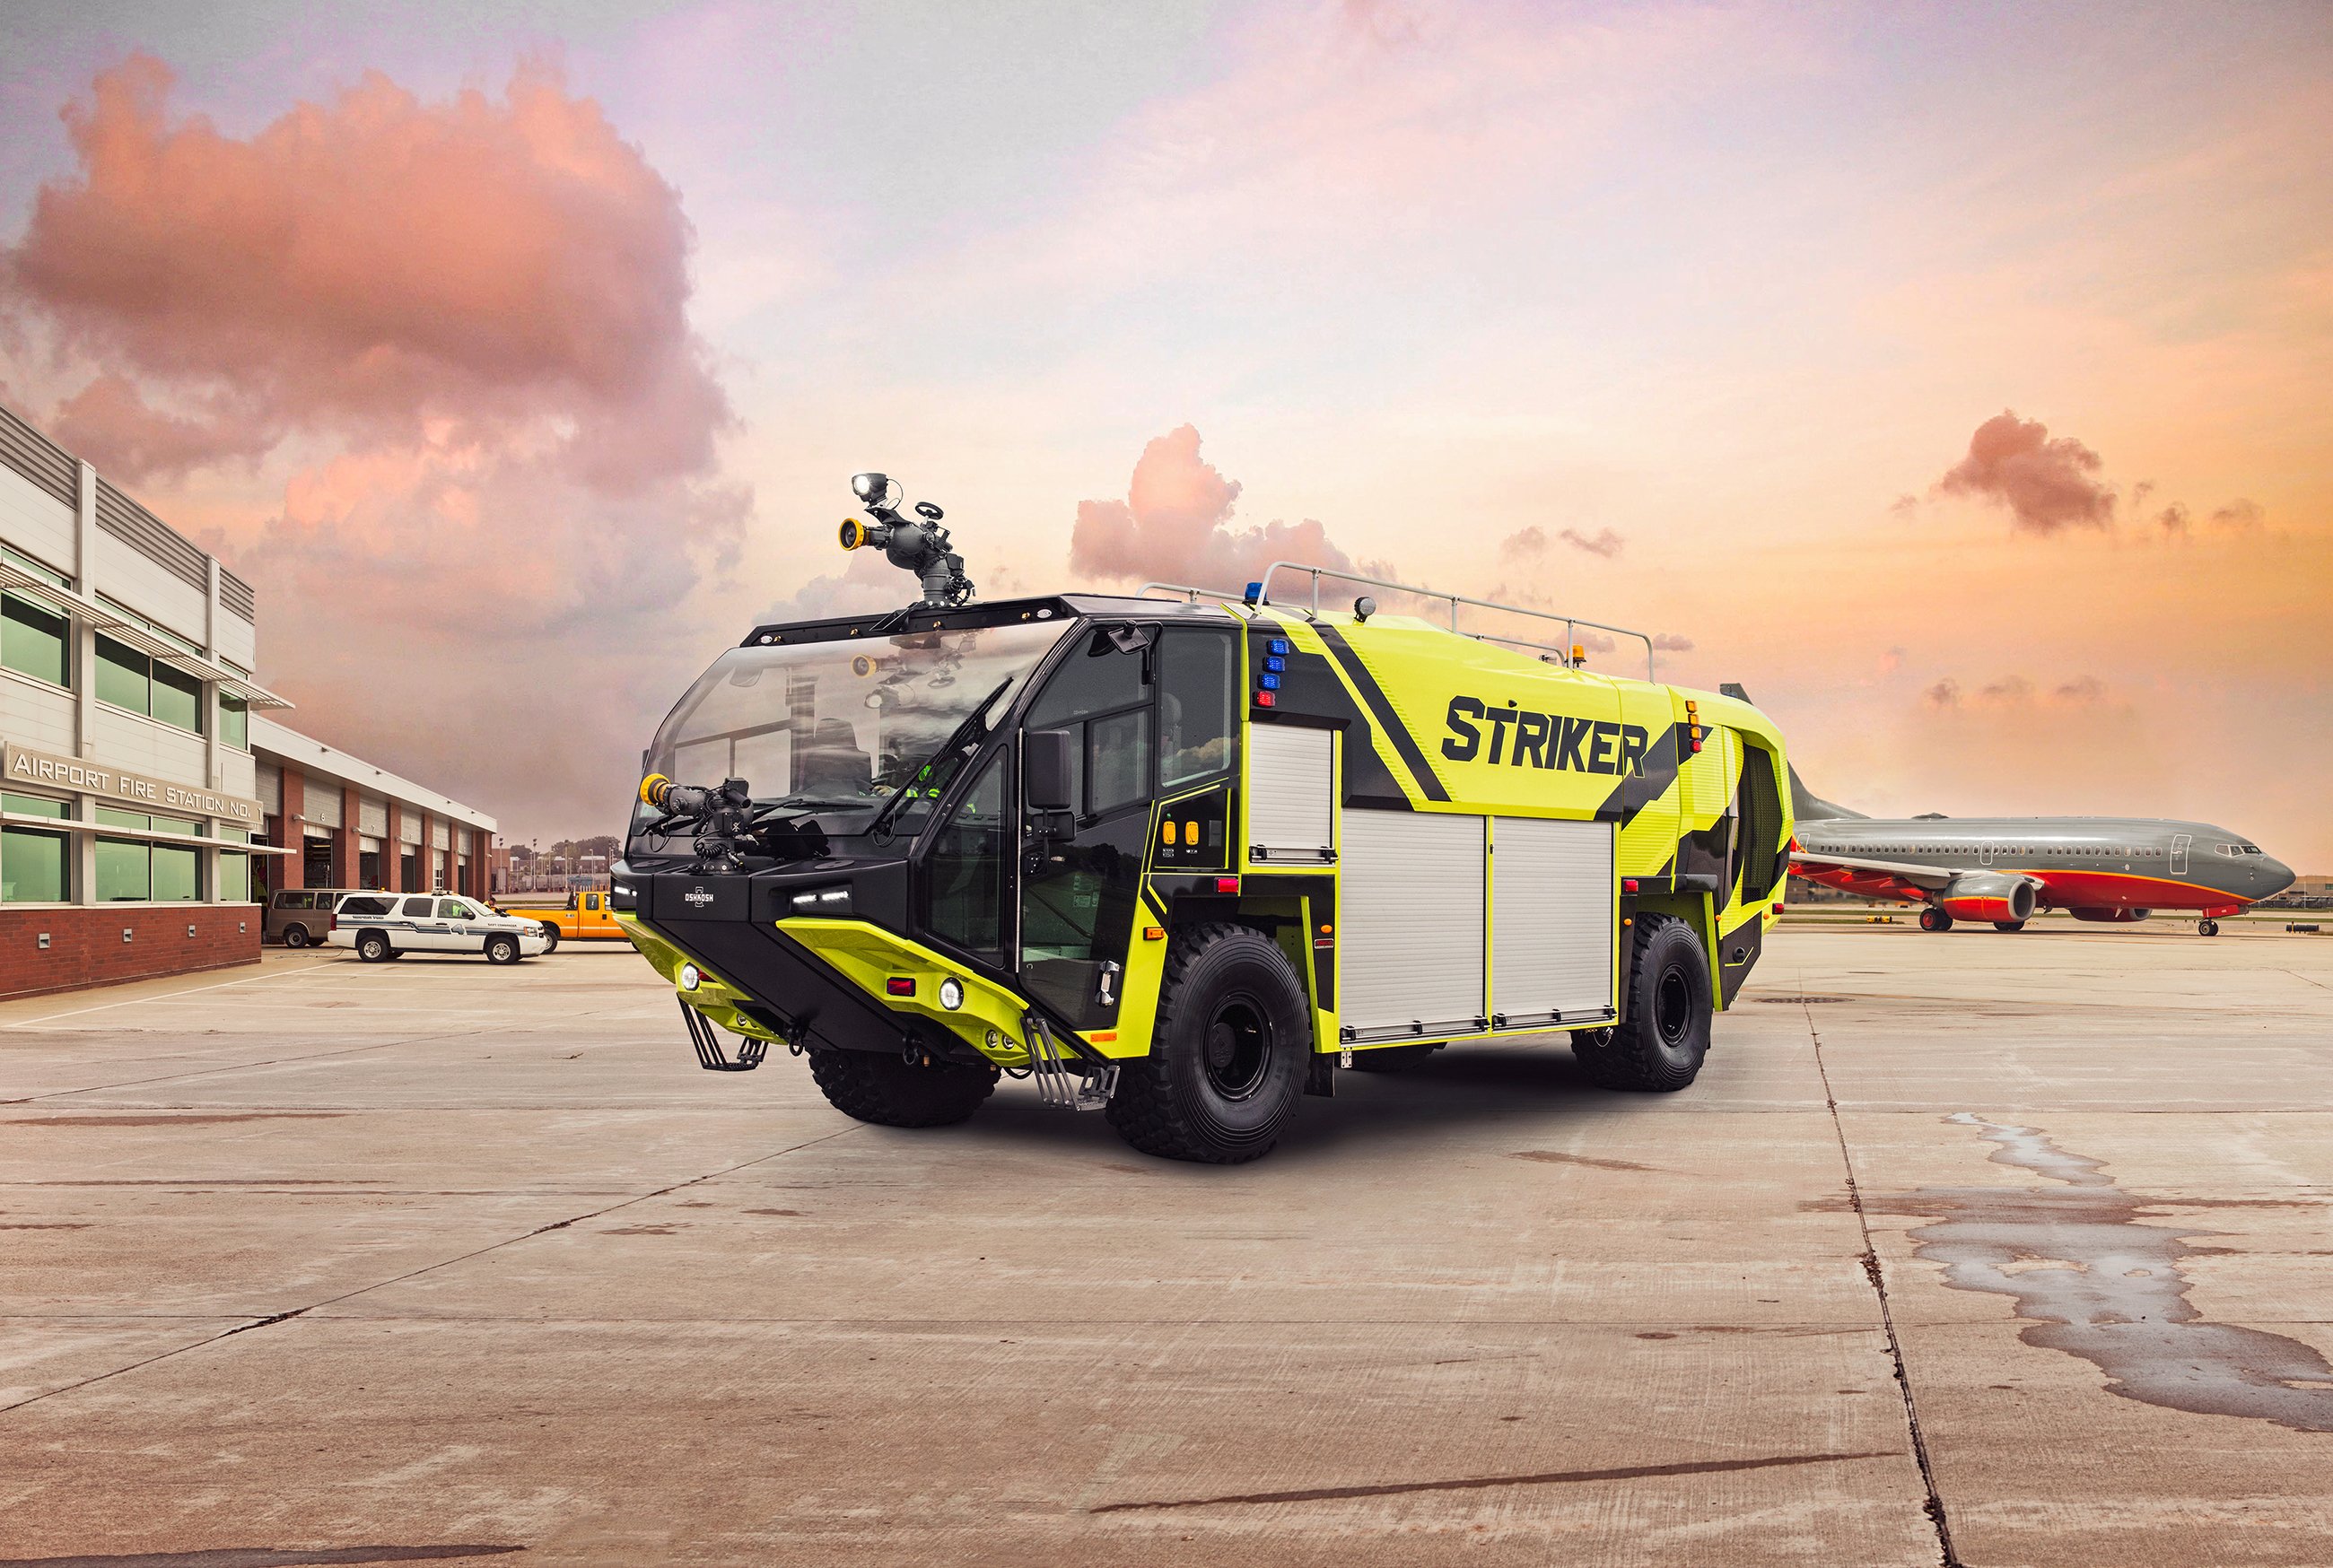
373	948
1660	1045
1935	918
1228	1055
550	937
501	950
2207	928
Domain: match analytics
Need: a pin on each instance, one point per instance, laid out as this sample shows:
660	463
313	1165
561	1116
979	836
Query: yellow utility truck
588	917
1182	856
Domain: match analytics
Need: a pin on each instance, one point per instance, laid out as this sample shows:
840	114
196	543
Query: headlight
951	993
823	901
689	977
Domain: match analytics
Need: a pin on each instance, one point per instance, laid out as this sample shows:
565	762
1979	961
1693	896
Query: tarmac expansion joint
1934	1504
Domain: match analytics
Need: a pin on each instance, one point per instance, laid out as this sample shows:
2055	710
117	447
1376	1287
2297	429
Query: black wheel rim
1237	1048
1673	1008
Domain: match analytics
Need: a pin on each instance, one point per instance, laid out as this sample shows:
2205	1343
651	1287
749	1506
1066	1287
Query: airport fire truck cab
1180	856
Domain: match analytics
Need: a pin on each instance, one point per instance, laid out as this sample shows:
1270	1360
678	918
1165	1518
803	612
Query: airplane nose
2280	875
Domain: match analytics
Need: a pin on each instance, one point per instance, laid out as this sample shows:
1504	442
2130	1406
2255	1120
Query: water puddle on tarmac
2092	1280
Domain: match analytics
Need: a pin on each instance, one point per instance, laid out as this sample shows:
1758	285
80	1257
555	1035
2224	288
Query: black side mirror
1045	764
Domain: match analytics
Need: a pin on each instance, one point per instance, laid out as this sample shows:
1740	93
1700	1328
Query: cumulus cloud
465	320
1944	694
2084	691
1672	642
2174	519
2240	513
2047	483
1525	544
1604	541
109	422
378	262
1174	525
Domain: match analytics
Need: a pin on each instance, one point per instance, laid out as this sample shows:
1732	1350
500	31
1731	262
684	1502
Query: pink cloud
377	261
468	318
2047	484
1174	525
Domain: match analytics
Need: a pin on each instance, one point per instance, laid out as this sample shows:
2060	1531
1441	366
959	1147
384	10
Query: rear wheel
1392	1058
1660	1046
887	1090
550	937
1228	1055
373	947
2008	925
1935	918
296	936
501	950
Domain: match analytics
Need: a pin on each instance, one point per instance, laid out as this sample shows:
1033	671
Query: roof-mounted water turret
919	545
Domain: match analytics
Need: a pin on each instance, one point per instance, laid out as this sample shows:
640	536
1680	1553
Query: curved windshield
837	727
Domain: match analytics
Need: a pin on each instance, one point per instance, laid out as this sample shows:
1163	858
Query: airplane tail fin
1805	805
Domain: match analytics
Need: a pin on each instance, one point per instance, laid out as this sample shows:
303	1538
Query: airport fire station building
148	800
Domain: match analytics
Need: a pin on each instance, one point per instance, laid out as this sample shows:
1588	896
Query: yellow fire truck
1181	856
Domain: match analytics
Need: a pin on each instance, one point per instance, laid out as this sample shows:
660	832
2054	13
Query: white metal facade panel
128	577
1291	792
36	522
1554	908
267	785
321	801
35	714
1409	927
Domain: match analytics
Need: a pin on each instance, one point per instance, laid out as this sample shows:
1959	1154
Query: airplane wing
1919	879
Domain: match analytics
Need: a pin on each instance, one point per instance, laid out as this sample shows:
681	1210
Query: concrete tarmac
433	1261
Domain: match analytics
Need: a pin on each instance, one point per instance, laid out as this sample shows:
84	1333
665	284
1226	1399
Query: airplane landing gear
2207	928
1935	918
2008	925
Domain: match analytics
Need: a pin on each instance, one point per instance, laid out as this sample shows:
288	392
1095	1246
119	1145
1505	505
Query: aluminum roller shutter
1554	909
1409	936
1291	790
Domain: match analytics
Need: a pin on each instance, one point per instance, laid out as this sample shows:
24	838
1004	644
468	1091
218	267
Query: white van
386	925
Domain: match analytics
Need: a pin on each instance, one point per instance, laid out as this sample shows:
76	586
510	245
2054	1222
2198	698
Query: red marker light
900	985
1628	884
1267	699
1226	885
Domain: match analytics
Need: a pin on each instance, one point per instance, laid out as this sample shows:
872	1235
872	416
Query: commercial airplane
2003	869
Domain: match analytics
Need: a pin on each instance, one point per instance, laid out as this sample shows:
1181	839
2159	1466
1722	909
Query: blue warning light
1277	645
1275	664
1269	683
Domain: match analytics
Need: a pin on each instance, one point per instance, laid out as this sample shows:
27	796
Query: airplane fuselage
2104	868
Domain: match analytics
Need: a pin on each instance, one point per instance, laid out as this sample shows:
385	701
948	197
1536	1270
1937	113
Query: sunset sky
1958	377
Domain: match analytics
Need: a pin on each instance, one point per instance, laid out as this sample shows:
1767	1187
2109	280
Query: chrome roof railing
1571	624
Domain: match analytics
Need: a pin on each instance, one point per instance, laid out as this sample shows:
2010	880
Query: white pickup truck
386	925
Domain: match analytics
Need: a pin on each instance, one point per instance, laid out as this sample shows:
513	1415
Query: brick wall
85	946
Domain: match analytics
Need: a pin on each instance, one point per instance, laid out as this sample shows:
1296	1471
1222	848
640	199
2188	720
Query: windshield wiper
972	728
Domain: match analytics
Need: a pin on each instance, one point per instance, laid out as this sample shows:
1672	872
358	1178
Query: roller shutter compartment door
1291	792
1410	938
1554	911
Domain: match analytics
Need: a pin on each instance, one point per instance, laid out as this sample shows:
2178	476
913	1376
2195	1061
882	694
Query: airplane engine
2111	916
1988	895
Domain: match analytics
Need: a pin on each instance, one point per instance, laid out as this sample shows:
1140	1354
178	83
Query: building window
134	870
34	641
128	679
34	865
124	676
234	723
233	870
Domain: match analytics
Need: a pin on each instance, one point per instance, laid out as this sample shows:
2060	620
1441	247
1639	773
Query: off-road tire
880	1088
1392	1058
1659	1050
1229	1053
503	949
296	936
550	937
373	947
